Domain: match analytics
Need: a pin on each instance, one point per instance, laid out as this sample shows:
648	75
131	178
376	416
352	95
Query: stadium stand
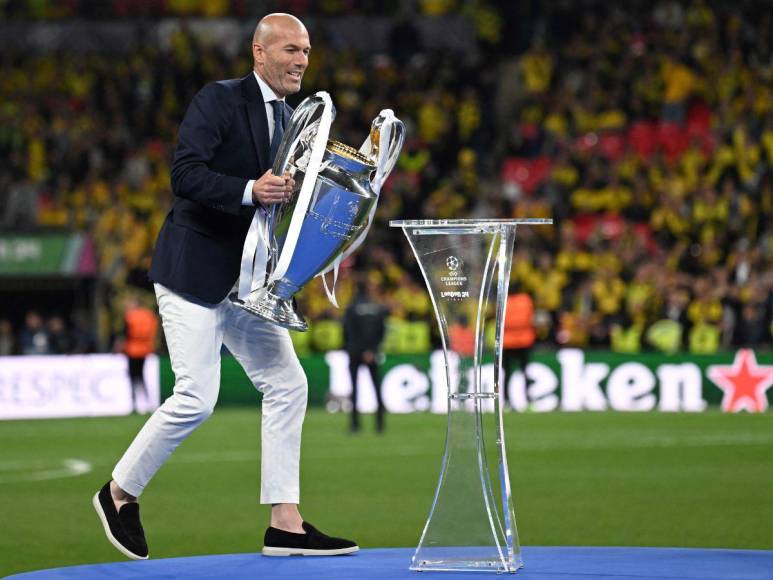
644	129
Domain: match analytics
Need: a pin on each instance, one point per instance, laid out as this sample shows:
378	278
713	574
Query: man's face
283	58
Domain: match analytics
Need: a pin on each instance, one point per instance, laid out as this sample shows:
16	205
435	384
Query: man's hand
272	188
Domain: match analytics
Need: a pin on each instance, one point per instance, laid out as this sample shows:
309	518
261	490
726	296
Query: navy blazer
223	142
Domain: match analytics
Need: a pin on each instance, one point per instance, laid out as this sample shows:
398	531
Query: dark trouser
136	366
355	360
513	359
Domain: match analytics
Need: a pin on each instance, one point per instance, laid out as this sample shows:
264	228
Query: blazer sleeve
201	132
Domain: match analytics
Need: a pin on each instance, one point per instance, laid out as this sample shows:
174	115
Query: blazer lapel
256	113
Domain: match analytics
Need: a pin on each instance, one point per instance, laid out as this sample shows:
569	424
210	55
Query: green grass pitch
612	479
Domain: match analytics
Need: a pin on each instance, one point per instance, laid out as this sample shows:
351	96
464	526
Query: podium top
468	223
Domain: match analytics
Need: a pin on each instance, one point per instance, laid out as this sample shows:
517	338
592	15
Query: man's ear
258	52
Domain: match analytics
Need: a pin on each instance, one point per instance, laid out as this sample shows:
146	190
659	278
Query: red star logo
744	383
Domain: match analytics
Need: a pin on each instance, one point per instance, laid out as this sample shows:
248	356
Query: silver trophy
330	210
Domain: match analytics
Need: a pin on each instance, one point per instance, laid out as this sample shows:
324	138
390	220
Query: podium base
464	559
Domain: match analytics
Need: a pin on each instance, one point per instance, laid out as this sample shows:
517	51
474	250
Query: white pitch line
69	468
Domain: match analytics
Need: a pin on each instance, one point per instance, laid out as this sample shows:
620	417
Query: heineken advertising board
575	380
565	380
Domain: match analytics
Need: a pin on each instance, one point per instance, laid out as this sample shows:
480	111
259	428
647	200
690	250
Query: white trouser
194	335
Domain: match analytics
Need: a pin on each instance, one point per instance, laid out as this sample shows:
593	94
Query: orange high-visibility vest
519	327
141	327
462	339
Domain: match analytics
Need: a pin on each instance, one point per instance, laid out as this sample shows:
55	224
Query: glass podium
466	266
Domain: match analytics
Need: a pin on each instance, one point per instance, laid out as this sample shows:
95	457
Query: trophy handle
394	144
307	113
306	134
304	118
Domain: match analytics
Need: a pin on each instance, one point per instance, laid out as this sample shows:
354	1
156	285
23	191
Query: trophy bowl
330	209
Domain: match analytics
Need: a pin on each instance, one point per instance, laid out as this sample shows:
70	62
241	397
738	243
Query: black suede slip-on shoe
122	528
313	543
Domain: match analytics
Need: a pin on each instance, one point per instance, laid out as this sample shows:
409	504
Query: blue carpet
541	563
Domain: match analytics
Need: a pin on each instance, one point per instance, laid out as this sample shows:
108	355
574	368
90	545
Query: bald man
220	176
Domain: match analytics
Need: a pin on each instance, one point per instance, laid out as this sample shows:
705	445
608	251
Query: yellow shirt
704	312
546	287
574	261
608	294
537	68
679	82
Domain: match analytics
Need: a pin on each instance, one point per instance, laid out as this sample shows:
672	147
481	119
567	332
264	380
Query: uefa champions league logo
455	282
453	263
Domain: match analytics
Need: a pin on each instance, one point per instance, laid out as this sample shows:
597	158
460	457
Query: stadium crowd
645	130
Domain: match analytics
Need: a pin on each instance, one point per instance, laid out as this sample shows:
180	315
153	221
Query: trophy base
271	307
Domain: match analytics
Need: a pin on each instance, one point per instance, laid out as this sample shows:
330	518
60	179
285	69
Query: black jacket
223	142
